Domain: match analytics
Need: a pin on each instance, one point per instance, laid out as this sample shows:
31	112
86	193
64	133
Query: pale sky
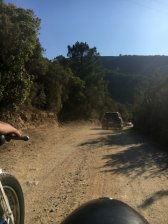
131	27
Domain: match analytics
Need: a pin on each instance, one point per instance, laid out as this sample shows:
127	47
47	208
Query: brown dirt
60	168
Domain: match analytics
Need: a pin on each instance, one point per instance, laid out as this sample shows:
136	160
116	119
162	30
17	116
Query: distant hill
141	65
126	75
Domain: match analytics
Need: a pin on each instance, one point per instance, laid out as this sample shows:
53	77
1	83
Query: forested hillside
142	83
72	87
126	75
82	85
136	65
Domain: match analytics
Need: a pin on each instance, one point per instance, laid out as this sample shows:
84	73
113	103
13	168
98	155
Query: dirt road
60	168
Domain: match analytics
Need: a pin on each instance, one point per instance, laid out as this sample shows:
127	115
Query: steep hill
141	65
126	75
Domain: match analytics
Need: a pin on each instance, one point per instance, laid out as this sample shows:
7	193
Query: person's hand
7	129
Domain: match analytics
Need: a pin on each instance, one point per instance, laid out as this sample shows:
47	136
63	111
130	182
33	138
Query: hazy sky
132	27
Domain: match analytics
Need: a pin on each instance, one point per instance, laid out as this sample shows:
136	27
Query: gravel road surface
63	167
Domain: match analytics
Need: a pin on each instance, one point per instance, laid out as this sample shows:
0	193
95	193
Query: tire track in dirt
61	168
67	168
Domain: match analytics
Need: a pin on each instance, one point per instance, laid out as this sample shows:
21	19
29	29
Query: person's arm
7	129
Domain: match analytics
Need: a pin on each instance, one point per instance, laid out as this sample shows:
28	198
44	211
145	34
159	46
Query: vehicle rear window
111	115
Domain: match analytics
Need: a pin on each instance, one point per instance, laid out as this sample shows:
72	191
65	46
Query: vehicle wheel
122	126
15	197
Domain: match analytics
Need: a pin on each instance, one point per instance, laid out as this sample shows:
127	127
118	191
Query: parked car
112	120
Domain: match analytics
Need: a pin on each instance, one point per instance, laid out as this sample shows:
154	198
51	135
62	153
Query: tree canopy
78	86
18	39
72	87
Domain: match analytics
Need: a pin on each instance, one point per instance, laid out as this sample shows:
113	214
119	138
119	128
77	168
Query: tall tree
84	62
18	39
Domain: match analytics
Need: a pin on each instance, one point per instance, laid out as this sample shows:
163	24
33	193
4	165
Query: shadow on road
136	158
117	138
151	200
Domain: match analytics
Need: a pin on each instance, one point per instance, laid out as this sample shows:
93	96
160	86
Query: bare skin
61	168
7	129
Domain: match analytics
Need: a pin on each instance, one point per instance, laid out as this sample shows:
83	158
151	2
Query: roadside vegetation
82	85
151	109
73	87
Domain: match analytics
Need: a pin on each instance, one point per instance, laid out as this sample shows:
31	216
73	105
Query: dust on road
60	168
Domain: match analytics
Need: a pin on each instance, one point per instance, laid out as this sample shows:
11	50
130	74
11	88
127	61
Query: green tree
37	67
56	82
84	63
151	109
18	39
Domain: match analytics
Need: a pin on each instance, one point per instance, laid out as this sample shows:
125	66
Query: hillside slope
142	65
